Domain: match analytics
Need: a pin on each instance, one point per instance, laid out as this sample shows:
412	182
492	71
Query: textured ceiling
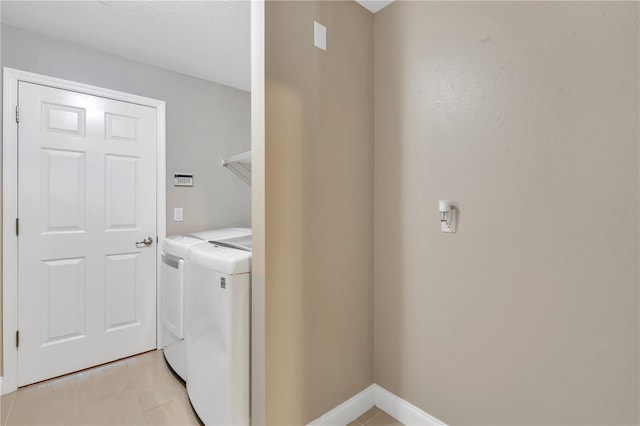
205	39
375	5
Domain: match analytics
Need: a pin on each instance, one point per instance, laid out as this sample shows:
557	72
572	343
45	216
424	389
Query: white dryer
217	333
172	275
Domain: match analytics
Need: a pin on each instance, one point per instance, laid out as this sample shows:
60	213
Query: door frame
10	200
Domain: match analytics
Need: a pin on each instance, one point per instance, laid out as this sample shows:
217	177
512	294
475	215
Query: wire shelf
240	165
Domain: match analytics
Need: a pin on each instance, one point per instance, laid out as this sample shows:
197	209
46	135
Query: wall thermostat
183	179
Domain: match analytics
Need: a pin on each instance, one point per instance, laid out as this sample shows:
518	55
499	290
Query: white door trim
10	200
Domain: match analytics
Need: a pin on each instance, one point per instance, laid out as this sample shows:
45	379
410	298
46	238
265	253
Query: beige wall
319	208
525	115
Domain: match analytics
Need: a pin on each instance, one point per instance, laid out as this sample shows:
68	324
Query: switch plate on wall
319	35
177	214
450	226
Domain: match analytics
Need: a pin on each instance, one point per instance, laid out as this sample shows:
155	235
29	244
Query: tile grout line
75	395
157	406
13	400
135	389
377	414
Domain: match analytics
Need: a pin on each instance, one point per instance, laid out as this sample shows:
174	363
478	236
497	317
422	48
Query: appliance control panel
183	179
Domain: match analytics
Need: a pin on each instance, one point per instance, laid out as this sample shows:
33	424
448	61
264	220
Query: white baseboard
393	405
402	410
349	410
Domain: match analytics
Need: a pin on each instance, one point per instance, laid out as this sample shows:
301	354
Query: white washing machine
242	242
172	275
217	333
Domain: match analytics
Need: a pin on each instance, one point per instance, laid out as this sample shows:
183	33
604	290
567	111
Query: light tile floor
375	417
140	390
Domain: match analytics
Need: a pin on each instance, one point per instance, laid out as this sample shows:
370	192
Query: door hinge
17	339
17	226
17	114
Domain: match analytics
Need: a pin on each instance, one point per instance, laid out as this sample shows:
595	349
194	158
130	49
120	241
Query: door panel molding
123	130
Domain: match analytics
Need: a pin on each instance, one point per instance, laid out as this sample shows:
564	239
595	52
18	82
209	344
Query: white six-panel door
86	196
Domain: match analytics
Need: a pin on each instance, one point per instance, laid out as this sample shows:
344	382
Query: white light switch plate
319	36
177	214
447	228
454	221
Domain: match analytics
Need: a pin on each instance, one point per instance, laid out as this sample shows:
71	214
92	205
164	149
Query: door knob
147	242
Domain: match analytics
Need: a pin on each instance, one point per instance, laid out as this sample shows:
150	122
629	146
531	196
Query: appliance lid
240	243
178	245
221	259
223	234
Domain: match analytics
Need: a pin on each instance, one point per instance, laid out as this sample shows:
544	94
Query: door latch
144	243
